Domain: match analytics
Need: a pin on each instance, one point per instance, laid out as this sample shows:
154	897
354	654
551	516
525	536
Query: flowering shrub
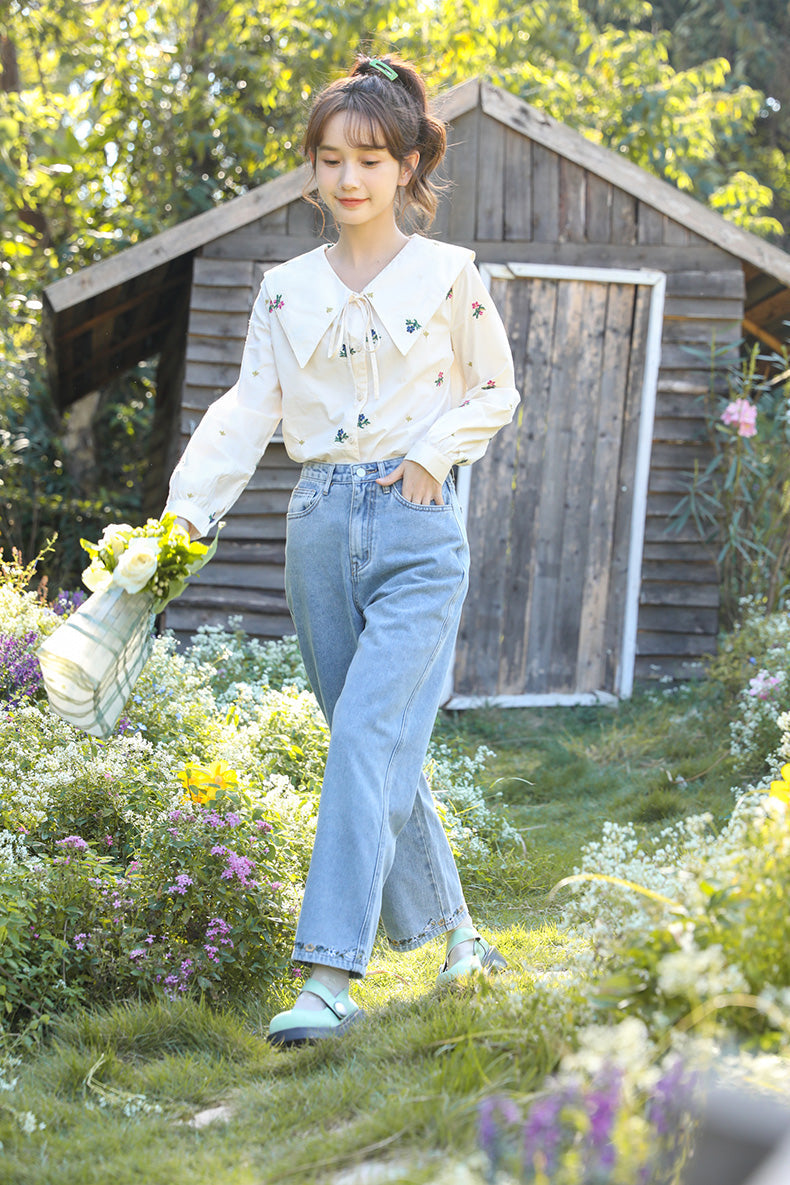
170	858
739	500
476	832
691	921
20	675
613	1113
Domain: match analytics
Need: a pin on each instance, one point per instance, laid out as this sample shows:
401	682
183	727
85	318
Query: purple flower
181	883
20	674
239	866
66	602
488	1129
75	842
81	941
262	825
138	953
543	1131
211	951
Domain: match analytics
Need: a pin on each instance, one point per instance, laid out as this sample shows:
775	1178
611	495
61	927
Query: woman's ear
408	166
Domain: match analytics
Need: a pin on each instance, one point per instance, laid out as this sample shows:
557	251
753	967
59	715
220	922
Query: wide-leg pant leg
376	587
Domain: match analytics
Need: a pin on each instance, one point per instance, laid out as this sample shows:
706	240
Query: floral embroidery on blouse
477	309
489	386
437	382
412	325
341	436
363	421
277	303
449	295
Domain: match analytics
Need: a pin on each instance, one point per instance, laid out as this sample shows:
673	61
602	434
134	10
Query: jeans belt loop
330	471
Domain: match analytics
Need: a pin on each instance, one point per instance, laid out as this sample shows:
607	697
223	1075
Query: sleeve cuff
431	459
193	514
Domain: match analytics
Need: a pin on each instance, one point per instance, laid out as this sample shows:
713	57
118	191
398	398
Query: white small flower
137	565
115	537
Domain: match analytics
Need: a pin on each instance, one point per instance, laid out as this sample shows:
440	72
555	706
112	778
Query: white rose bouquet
157	558
92	661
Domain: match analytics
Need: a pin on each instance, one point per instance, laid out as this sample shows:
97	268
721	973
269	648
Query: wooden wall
511	200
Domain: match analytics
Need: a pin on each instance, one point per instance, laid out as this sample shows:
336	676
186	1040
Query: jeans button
360	472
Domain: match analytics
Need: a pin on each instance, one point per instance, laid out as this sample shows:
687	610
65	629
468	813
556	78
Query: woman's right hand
188	527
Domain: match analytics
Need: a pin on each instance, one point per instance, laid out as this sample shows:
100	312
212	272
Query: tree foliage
118	119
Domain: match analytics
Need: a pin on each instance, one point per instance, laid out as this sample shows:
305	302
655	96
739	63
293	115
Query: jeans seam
399	742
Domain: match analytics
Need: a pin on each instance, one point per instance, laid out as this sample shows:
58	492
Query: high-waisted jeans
375	585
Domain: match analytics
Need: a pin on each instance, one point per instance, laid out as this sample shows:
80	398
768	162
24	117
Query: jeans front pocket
432	508
304	498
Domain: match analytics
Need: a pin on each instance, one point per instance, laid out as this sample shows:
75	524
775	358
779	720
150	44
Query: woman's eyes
369	164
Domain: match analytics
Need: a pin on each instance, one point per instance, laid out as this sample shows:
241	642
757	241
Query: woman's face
358	183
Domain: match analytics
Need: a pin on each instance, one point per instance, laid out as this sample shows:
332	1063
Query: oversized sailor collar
307	295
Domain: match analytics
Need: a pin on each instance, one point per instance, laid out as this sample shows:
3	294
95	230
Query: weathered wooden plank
649	225
675	570
686	357
306	221
251	245
708	331
214	376
658	529
573	203
551	515
677	645
573	585
463	168
185	620
653	256
652	667
532	356
699	593
671	404
267	577
691	619
621	543
223	350
711	307
206	299
677	428
675	233
600	198
219	323
603	492
223	273
545	195
249	553
518	187
489	529
725	284
252	526
624	214
491	180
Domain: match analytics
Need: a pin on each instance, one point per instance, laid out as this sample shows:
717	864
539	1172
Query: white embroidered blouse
417	365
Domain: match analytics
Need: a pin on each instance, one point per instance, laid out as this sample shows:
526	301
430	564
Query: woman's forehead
351	129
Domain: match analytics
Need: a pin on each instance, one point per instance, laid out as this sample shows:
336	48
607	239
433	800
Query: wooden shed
608	280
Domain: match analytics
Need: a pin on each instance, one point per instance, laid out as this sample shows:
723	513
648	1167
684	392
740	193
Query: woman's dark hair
392	109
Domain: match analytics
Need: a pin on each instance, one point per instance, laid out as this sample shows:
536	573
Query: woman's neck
361	252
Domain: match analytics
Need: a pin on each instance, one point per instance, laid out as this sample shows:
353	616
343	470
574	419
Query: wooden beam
768	339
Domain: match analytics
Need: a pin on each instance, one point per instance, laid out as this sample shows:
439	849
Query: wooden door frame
624	680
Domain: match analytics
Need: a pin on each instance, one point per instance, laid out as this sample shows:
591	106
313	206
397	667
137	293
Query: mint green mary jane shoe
484	957
298	1025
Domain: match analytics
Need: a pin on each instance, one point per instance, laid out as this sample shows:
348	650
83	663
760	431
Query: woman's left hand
419	486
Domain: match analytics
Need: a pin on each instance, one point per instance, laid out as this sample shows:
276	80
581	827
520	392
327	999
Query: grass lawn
396	1099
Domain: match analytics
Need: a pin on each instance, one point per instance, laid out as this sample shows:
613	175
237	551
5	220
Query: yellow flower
204	782
781	789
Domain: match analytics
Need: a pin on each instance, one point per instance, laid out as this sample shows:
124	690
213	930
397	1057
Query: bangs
370	122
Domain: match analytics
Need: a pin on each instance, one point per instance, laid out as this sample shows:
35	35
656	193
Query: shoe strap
340	1005
462	934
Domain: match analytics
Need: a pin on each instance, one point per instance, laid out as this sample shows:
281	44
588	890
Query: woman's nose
348	178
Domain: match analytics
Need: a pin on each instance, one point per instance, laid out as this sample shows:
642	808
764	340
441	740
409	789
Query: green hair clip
383	68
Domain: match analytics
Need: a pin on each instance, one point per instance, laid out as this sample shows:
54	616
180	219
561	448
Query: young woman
387	363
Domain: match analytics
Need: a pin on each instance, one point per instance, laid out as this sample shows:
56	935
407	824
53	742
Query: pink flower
743	414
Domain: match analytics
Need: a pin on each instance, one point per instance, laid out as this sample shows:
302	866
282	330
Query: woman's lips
351	202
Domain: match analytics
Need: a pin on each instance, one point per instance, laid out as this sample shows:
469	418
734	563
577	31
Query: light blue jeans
375	585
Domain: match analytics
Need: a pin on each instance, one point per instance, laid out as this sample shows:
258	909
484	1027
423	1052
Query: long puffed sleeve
489	399
229	441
